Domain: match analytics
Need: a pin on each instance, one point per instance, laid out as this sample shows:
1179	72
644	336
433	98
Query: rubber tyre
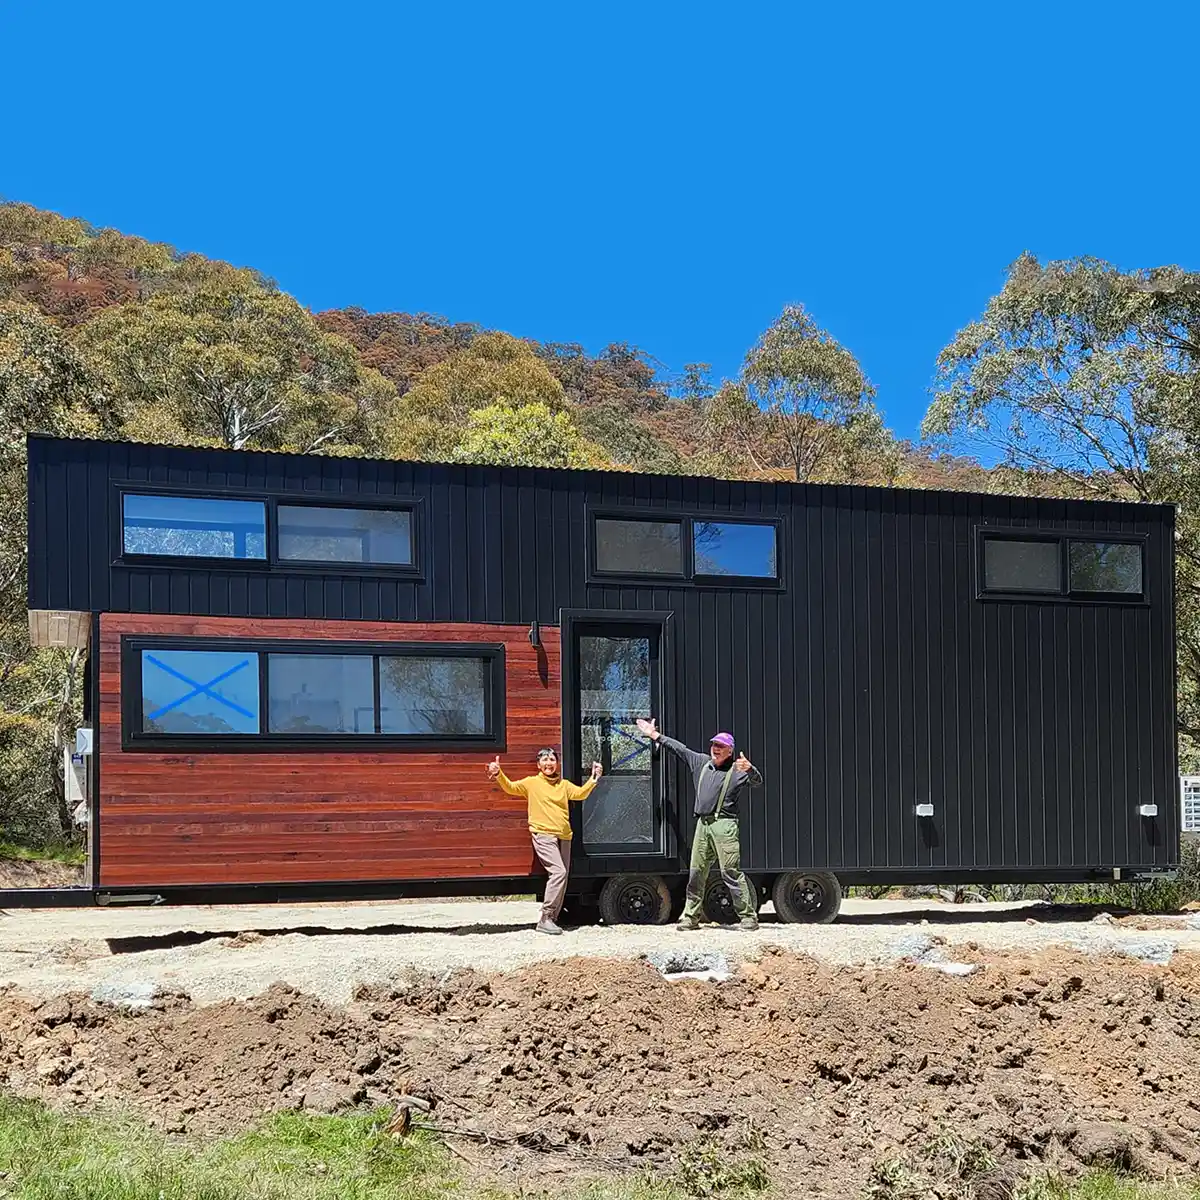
807	897
635	900
718	903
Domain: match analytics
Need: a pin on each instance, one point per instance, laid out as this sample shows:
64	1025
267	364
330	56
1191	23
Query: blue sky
666	174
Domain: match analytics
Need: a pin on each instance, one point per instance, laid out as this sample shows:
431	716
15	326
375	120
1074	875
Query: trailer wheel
635	900
808	897
718	903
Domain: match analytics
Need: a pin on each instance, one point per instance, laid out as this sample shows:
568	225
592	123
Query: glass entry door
617	674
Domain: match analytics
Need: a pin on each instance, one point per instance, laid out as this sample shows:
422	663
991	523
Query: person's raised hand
597	770
649	728
493	768
743	763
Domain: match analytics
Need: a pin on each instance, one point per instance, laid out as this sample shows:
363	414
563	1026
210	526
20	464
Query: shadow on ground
193	937
936	915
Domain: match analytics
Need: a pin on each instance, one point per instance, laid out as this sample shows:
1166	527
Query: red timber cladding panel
306	816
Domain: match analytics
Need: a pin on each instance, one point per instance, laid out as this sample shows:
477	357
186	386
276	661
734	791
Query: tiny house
298	666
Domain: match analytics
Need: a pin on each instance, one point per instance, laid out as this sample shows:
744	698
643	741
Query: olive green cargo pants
717	841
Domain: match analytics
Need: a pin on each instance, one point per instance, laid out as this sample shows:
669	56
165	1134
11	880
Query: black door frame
602	622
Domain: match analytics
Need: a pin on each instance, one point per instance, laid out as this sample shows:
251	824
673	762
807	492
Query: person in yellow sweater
548	794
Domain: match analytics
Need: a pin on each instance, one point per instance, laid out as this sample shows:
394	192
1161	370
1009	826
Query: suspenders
724	790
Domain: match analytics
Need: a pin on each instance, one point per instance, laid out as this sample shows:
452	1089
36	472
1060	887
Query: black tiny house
299	665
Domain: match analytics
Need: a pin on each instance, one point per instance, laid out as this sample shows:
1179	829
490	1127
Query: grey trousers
555	856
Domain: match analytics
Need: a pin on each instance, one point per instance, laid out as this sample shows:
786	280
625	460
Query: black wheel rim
807	895
638	903
718	903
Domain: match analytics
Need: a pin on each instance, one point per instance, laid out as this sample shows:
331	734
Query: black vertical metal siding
873	680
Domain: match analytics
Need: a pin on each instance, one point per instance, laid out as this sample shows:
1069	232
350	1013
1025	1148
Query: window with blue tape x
199	691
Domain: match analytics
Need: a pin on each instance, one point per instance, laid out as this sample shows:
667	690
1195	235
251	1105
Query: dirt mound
822	1072
21	873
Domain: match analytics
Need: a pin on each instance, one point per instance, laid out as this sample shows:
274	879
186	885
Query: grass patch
51	1156
48	1156
1104	1185
71	855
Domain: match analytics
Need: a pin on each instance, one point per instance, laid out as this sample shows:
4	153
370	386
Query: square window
734	548
193	527
434	696
199	691
1013	565
321	693
308	533
1114	568
628	546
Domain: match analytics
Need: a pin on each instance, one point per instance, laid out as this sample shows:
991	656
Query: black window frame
272	563
411	505
153	491
1063	538
134	737
689	577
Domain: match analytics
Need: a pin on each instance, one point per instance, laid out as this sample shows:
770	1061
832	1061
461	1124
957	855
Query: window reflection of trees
614	678
1106	567
431	695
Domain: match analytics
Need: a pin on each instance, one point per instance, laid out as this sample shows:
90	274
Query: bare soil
594	1065
19	873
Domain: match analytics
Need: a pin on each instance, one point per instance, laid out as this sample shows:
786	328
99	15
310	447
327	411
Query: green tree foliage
1086	380
530	435
803	405
494	372
44	387
237	368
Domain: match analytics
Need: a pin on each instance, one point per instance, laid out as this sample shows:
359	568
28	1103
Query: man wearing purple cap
720	780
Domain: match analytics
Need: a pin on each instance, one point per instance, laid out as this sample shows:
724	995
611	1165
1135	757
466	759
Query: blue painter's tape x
642	747
198	689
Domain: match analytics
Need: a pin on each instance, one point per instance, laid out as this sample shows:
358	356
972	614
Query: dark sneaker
688	925
545	925
748	924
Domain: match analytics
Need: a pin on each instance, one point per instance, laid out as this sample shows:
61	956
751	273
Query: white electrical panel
74	776
1189	791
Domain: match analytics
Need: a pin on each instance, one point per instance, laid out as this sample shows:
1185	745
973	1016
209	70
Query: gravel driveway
214	953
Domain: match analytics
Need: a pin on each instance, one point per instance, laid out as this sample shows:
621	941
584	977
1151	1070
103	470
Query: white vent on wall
1189	792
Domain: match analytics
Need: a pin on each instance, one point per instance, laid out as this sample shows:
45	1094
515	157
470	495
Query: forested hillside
104	333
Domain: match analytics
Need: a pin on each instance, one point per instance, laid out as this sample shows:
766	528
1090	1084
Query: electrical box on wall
1189	797
74	777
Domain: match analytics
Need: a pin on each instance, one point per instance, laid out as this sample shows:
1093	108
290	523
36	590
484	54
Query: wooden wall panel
178	818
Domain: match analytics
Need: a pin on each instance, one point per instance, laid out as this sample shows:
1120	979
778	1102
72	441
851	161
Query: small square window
631	546
321	693
199	691
736	548
194	527
1013	565
310	533
1112	568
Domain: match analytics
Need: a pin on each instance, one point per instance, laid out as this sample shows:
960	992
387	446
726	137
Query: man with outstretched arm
720	780
548	795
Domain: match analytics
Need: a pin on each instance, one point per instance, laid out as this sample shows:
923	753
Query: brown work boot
545	925
688	925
